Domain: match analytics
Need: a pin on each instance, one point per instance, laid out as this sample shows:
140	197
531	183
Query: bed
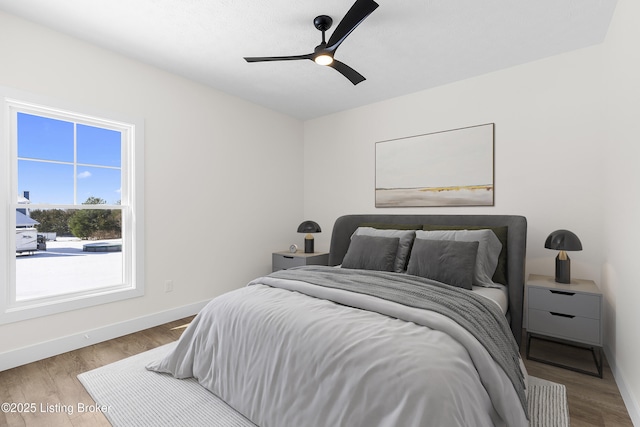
377	338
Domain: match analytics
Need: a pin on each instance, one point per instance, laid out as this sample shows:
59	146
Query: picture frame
447	168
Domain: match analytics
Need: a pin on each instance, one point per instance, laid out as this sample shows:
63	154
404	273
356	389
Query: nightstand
570	314
286	259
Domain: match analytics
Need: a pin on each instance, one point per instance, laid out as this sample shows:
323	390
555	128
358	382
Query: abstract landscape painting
449	168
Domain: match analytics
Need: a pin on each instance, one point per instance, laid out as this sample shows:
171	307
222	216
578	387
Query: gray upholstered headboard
516	247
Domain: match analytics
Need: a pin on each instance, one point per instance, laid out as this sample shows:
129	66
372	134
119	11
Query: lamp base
308	245
563	269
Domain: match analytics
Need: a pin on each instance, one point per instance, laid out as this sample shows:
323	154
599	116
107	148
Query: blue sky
46	161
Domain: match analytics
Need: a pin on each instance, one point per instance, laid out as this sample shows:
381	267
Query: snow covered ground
65	268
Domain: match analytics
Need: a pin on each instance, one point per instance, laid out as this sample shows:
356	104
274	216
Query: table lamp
309	227
563	240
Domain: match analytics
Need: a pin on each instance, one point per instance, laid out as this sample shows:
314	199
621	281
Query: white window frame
132	206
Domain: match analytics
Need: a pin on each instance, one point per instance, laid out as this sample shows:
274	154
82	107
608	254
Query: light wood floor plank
593	401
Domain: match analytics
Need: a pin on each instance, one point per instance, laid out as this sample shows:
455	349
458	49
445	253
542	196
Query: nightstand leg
597	359
598	362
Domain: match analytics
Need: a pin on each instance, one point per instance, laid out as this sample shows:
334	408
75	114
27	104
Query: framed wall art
448	168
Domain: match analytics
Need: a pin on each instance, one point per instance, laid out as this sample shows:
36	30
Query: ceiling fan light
323	59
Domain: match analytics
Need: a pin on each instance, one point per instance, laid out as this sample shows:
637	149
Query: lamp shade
563	240
309	227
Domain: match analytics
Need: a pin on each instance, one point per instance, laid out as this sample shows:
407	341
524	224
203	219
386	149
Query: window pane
44	138
84	252
59	160
98	183
50	183
98	146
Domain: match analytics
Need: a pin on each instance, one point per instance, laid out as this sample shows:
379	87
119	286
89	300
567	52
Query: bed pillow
404	244
446	261
500	275
488	250
371	253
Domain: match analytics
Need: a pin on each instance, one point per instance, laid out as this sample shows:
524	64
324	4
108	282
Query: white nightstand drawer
555	324
565	302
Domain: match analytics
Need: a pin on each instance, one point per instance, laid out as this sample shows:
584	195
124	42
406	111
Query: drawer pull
287	257
562	292
562	315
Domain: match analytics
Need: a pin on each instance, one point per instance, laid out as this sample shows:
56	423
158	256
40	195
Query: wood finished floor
592	401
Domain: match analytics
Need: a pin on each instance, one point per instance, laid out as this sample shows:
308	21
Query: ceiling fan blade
347	71
277	58
358	12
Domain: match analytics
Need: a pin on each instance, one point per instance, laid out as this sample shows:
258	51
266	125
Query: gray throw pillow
488	250
404	245
371	253
446	261
501	232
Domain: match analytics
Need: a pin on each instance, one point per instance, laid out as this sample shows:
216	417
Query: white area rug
547	403
135	397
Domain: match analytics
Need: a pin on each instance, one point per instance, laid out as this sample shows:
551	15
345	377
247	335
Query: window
75	193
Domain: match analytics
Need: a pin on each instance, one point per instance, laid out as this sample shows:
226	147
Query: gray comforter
284	359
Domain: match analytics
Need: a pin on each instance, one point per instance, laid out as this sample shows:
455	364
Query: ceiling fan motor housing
322	22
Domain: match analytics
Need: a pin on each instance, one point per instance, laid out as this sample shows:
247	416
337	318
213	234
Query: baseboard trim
629	399
32	353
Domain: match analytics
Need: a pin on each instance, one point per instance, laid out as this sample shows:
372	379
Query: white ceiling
402	47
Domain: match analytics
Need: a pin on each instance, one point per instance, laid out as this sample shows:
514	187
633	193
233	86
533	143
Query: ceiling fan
323	53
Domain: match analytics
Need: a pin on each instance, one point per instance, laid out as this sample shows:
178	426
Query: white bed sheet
498	295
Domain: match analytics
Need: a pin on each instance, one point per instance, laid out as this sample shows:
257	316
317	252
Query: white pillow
404	244
488	250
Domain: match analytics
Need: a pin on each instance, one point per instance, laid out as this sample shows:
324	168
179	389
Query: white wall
621	277
205	157
548	151
566	156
